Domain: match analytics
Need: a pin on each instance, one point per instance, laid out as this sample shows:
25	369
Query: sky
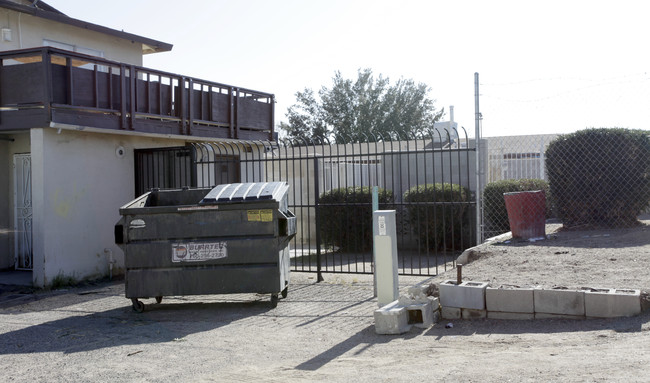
544	67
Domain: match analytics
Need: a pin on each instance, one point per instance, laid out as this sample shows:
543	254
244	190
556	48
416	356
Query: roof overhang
45	11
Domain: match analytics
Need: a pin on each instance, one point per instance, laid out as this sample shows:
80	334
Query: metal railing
73	88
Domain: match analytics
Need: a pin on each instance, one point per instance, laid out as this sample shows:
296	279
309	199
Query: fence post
319	277
375	207
477	139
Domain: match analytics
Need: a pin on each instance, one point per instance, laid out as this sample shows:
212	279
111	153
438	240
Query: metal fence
331	186
601	180
510	158
163	168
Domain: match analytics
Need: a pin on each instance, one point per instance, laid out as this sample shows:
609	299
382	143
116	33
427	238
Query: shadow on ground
121	326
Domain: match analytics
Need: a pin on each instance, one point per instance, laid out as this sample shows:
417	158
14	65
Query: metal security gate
23	255
429	180
175	168
163	168
331	196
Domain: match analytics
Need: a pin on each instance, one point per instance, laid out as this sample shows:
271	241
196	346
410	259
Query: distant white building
517	157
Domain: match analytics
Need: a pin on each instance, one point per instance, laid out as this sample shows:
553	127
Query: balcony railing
46	85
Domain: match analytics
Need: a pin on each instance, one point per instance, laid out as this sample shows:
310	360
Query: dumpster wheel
285	292
158	299
274	300
137	305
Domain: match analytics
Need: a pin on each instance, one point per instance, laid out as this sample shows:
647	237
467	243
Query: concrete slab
509	300
612	303
16	278
563	302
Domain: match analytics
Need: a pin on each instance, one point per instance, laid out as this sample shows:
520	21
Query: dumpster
233	238
526	213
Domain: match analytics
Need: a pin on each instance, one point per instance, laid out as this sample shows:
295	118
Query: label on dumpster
198	251
264	215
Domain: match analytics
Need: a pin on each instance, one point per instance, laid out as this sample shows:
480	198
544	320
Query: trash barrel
233	238
526	213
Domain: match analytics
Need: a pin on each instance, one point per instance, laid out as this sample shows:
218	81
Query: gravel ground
615	258
324	331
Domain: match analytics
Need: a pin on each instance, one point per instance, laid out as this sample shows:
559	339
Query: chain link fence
590	178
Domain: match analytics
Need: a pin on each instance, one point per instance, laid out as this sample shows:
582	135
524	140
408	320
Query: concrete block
509	300
563	302
391	319
557	316
450	312
420	314
510	316
469	295
473	313
611	303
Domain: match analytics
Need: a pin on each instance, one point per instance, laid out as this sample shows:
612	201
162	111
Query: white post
385	245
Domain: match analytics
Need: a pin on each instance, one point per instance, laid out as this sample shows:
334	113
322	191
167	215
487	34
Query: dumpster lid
251	191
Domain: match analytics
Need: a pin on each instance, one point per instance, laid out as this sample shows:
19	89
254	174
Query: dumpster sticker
264	215
198	251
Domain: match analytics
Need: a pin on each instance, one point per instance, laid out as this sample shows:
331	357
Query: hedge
600	177
346	217
440	226
494	205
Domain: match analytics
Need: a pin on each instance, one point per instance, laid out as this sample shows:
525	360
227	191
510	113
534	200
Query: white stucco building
75	107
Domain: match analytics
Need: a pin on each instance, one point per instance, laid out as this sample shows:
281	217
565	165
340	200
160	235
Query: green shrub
440	226
494	205
600	177
346	217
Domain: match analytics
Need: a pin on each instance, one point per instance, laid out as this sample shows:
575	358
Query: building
76	110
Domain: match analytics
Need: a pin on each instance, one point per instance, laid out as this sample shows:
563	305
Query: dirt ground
324	331
614	258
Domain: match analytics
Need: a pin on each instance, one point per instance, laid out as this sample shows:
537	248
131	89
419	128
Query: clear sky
544	66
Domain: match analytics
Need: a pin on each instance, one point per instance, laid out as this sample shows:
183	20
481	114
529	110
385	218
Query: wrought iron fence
331	186
163	168
331	189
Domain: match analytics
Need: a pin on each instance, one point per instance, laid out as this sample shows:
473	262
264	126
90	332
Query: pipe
20	33
111	262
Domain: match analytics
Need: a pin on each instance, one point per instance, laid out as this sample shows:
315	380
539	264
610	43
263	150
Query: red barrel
526	213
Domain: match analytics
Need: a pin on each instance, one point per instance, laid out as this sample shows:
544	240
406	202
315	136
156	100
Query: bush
600	177
346	217
440	226
494	205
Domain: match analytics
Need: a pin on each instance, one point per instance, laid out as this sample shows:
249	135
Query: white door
23	255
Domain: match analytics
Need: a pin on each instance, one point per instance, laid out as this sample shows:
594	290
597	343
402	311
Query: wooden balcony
41	86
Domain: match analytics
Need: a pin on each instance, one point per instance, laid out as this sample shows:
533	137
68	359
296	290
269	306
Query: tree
366	108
